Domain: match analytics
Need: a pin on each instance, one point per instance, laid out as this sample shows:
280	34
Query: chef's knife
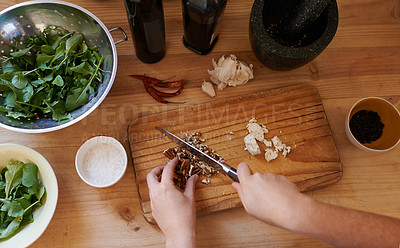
223	168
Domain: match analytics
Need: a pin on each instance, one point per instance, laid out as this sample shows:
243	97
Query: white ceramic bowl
42	215
101	161
390	117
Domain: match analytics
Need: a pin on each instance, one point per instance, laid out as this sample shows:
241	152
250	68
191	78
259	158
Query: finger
237	187
154	175
168	173
191	185
243	171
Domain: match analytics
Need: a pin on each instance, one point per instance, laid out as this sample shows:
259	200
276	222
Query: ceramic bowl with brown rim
389	116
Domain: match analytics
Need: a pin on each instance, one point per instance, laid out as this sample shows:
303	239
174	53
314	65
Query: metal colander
29	18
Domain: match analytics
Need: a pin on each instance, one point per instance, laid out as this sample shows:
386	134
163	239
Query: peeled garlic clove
208	88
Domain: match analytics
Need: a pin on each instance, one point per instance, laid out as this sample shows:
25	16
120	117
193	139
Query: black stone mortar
287	34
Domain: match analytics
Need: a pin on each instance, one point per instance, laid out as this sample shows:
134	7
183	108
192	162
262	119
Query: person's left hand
173	210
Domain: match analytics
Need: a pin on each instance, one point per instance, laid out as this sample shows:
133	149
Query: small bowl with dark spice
373	124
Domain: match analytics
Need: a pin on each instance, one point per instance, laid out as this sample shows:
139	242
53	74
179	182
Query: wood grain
293	113
362	60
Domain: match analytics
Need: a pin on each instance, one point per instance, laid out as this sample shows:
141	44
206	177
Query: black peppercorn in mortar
366	126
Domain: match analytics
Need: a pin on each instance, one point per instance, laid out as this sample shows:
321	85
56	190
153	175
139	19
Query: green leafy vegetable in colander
53	74
21	192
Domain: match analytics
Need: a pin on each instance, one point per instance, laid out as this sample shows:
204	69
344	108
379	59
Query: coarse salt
103	164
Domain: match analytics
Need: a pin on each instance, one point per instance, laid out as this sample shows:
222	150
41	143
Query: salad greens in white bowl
28	195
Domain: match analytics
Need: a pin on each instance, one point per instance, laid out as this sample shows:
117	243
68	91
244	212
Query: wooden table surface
362	60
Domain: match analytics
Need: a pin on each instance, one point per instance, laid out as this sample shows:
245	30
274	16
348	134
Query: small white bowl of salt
101	161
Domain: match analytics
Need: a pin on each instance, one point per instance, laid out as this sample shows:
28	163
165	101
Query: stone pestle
300	18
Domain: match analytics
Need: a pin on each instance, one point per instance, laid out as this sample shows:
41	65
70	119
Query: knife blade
223	168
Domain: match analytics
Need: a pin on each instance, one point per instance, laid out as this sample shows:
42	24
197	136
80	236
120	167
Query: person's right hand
268	197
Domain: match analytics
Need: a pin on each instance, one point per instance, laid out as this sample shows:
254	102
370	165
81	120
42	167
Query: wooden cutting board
294	113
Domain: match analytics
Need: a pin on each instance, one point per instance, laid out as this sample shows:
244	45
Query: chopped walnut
205	181
188	163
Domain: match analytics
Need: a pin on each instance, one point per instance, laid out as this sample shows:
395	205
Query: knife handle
233	174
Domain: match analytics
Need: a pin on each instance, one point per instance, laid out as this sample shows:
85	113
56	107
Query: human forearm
343	227
181	240
275	200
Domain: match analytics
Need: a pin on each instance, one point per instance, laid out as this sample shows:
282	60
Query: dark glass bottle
201	22
146	21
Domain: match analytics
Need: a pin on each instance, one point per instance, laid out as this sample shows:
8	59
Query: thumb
191	185
243	171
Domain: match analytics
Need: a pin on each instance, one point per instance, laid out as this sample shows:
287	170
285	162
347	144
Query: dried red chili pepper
153	94
158	82
171	84
158	98
166	94
156	94
171	94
